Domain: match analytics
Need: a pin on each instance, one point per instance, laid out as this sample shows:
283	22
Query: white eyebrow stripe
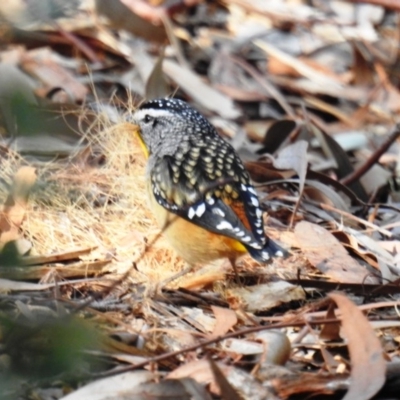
140	114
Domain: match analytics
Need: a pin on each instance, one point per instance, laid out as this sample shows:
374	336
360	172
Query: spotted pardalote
199	189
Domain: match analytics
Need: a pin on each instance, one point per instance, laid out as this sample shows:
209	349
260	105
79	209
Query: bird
198	187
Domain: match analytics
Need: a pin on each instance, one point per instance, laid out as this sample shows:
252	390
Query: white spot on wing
218	211
200	210
224	225
279	253
258	213
243	187
246	239
265	255
255	202
251	190
191	213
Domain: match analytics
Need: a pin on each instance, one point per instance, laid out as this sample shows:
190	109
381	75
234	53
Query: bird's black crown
178	107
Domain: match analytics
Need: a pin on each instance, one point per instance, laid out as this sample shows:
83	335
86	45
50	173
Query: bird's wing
217	203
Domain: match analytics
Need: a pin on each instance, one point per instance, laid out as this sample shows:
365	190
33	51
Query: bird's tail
270	250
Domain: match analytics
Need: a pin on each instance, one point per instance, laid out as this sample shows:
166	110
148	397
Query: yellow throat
137	134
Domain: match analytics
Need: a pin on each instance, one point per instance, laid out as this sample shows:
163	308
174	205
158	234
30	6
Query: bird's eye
147	119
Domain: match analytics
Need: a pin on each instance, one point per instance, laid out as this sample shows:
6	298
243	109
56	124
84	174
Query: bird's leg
155	289
235	271
167	222
176	276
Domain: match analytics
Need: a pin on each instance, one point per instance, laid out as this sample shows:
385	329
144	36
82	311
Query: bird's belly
193	243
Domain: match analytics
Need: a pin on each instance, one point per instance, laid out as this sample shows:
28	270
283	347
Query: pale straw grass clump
98	198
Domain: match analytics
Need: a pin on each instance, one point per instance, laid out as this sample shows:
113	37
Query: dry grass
96	198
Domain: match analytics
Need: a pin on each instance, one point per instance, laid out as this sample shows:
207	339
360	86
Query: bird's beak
137	133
